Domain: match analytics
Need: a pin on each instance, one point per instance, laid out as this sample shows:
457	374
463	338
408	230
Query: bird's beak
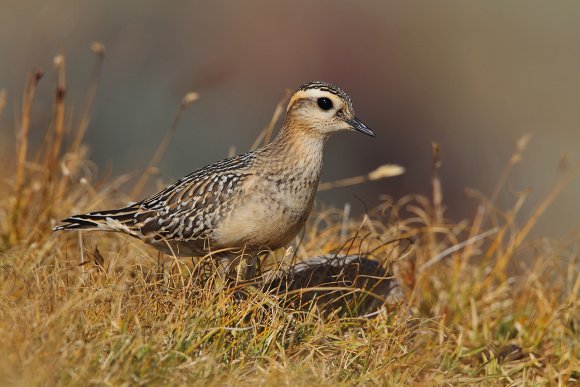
357	125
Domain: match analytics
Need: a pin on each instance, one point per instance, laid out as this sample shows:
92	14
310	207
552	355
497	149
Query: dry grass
484	303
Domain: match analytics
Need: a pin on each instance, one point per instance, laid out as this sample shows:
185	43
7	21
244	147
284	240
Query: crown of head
321	88
327	87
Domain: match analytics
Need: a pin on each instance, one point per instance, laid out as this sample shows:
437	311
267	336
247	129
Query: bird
254	202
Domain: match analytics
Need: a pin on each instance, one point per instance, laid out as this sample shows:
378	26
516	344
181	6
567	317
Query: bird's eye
325	103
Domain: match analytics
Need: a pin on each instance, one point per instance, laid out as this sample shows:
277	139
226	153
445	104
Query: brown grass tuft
129	315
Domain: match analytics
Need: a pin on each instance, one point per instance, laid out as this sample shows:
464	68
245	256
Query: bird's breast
271	211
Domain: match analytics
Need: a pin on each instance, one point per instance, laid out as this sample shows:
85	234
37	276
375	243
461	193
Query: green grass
497	310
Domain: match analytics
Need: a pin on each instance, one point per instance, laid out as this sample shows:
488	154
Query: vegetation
483	303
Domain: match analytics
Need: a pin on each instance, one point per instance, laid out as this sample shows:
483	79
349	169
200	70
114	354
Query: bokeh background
473	76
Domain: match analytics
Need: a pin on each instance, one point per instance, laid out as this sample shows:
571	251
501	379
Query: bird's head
324	108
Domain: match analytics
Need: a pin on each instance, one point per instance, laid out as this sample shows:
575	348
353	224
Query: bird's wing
191	207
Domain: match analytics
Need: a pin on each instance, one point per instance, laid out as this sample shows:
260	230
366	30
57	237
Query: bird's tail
112	220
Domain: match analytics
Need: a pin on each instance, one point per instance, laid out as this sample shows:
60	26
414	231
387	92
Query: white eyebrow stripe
311	93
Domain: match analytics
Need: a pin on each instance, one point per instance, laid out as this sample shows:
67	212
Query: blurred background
472	76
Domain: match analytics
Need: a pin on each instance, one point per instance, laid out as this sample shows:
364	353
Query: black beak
357	125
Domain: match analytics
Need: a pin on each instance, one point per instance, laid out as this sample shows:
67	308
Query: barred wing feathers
185	210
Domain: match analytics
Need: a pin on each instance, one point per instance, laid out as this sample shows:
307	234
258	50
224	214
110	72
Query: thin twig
436	184
22	148
3	99
345	215
533	219
516	158
59	114
382	172
266	134
185	102
99	51
457	247
82	254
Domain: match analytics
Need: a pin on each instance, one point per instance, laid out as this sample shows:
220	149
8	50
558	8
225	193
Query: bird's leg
241	269
238	268
247	268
